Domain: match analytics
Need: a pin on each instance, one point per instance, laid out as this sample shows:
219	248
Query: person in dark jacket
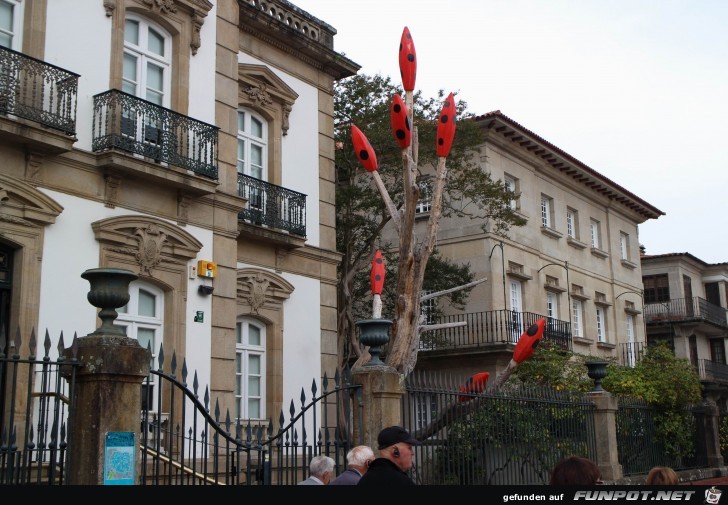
357	463
395	458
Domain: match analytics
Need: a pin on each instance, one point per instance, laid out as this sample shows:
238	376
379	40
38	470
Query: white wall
202	72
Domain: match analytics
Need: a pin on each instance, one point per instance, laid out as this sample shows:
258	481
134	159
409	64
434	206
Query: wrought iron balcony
484	329
37	91
712	371
131	124
272	206
686	310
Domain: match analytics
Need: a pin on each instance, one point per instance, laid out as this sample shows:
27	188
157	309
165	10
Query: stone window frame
160	253
183	19
261	90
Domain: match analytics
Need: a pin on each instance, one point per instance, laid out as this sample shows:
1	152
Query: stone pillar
707	422
107	390
605	426
107	398
381	401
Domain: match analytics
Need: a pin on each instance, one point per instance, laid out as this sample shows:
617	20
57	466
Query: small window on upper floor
147	61
595	231
656	288
11	23
547	210
511	185
572	223
624	245
424	203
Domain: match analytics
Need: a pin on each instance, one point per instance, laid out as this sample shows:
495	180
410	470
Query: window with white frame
424	202
250	369
11	22
253	153
552	305
631	357
428	309
546	210
624	245
576	318
572	223
510	184
595	233
143	319
601	324
426	409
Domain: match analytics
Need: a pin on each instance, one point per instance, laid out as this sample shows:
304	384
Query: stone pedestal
381	401
113	369
606	434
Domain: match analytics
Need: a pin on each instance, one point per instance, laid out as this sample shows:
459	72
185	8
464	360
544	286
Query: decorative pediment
260	287
21	203
262	88
150	241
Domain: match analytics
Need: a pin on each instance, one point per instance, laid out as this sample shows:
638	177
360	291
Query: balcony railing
484	329
712	371
686	309
272	206
37	91
131	124
630	353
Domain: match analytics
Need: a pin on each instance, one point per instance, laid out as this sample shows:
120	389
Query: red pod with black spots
475	384
407	60
400	122
528	341
446	126
363	149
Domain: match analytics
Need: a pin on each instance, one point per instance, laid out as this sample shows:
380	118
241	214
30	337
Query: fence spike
303	395
325	383
74	346
160	356
314	389
174	363
337	378
207	398
16	343
195	384
184	372
217	411
61	347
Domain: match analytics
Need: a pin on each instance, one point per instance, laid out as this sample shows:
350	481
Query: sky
635	89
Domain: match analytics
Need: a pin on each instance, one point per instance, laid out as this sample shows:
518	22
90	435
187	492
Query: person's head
395	444
322	467
662	476
575	471
359	458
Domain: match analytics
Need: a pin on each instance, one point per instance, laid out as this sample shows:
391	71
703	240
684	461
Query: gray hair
320	465
359	455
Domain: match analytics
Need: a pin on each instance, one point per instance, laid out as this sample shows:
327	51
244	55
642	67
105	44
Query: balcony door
146	74
516	308
252	161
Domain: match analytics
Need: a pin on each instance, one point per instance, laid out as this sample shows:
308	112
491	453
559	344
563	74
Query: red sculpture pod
364	150
528	341
400	122
475	384
446	126
407	60
377	275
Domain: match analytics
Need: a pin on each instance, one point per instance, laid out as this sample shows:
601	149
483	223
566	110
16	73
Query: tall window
147	61
250	369
572	224
546	210
601	324
143	318
428	308
509	183
11	21
624	245
576	318
631	349
516	307
424	203
657	288
552	305
252	144
595	233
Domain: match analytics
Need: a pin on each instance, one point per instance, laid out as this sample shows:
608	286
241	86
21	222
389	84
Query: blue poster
119	458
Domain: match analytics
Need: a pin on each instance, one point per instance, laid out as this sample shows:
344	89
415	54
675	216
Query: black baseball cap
394	435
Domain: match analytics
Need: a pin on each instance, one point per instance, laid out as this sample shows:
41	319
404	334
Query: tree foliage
361	214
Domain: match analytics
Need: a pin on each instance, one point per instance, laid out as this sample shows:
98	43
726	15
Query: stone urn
374	333
109	291
597	370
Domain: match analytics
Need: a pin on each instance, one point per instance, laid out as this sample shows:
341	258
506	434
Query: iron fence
641	444
511	436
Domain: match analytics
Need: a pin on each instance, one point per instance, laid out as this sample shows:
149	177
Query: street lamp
503	264
565	266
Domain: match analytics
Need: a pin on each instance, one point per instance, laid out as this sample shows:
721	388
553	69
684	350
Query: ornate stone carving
258	286
197	22
259	94
286	112
109	7
161	5
151	240
183	202
33	164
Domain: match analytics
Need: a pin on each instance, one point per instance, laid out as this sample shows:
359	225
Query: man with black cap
395	458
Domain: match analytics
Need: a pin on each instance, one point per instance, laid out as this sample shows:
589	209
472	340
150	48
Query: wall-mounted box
207	269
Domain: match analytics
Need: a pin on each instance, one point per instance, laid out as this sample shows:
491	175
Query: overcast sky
635	89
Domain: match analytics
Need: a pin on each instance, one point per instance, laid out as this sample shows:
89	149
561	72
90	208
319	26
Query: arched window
249	369
11	22
147	61
252	144
143	318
